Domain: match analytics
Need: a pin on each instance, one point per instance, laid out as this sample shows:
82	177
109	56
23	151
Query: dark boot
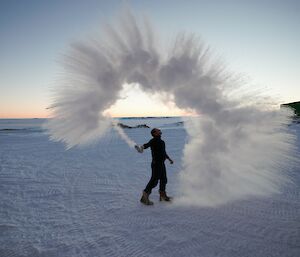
145	199
163	196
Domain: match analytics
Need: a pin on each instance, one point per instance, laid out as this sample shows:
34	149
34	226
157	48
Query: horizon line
119	117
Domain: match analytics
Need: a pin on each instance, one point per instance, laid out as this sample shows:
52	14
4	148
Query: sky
259	39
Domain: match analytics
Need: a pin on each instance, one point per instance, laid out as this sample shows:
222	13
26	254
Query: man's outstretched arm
140	148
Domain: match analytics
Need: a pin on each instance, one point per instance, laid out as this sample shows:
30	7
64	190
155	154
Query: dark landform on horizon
295	106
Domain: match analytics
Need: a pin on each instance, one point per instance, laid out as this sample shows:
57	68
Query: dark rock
130	127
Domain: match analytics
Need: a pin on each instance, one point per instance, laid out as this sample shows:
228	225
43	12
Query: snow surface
85	202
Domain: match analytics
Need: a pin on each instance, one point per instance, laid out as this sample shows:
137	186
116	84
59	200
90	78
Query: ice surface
85	202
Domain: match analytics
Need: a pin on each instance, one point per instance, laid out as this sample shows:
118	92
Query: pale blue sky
257	38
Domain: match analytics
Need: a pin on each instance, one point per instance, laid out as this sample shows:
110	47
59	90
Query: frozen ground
85	202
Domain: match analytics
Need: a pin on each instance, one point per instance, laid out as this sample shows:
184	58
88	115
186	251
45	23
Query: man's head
156	132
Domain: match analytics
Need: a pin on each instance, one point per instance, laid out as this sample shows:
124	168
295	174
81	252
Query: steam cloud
237	147
123	135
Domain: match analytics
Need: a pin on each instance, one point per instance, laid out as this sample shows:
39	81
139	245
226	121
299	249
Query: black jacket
158	149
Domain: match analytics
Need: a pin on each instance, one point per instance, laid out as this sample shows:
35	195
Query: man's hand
140	149
171	161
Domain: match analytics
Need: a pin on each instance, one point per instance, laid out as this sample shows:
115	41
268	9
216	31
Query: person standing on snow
159	155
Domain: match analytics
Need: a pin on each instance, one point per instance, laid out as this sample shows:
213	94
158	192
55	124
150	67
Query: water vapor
237	147
124	136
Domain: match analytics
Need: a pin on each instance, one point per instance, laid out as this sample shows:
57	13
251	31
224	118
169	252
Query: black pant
158	173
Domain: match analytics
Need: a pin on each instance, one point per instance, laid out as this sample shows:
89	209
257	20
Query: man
159	155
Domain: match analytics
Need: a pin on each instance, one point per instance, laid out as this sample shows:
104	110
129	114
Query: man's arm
170	160
167	156
147	145
141	148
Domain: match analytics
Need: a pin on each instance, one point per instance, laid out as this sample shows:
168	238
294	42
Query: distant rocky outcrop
124	126
295	106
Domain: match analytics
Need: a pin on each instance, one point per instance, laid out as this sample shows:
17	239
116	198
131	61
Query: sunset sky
258	38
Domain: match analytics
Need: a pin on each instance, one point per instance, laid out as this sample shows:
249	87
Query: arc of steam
234	150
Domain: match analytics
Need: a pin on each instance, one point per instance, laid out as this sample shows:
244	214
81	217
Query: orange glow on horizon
45	115
175	113
133	103
31	108
22	116
15	114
